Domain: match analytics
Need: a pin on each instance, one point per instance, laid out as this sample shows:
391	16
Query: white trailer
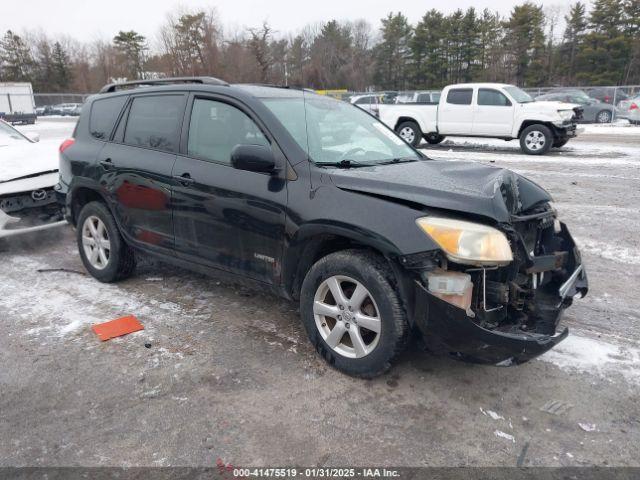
17	104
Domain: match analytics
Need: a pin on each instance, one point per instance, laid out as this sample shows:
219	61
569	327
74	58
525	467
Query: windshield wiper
344	164
398	160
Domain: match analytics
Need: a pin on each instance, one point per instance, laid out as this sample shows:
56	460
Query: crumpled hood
466	187
20	159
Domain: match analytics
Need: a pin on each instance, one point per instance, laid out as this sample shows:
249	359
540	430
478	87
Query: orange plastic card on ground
117	327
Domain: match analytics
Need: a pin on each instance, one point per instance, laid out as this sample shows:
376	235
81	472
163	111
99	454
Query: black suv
319	202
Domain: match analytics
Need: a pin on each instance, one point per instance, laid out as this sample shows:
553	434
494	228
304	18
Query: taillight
66	144
633	106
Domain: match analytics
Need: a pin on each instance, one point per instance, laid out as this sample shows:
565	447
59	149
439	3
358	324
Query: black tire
122	261
560	143
433	138
604	116
537	148
374	274
415	137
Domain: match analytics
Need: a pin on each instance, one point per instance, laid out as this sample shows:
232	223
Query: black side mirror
253	158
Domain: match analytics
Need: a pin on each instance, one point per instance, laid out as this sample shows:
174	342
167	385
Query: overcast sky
93	19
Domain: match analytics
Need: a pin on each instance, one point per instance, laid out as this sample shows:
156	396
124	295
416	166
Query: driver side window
216	128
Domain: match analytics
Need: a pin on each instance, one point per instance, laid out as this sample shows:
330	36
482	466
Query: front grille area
16	202
34	208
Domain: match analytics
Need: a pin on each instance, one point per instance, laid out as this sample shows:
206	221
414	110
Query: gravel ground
230	375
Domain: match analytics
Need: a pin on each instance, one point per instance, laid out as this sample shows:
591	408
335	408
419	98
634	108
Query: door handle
184	179
106	163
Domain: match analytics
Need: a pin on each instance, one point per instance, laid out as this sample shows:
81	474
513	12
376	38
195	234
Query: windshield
518	95
338	132
9	135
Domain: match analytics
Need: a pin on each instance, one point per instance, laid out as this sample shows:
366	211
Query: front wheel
536	140
410	132
433	138
103	251
352	312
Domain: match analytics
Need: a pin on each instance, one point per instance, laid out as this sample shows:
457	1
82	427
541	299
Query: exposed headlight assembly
566	114
468	243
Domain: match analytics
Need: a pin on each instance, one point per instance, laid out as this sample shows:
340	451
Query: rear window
460	96
104	114
154	122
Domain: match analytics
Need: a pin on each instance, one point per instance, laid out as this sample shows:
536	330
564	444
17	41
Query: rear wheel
433	138
536	140
103	251
352	312
603	116
410	132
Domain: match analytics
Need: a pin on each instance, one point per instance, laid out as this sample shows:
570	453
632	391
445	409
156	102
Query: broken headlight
467	242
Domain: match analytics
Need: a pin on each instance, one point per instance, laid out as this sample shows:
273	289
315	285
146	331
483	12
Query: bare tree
258	45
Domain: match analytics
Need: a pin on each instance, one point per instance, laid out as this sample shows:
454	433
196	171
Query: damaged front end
508	313
26	211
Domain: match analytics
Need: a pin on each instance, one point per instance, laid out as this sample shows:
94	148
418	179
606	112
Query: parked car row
64	109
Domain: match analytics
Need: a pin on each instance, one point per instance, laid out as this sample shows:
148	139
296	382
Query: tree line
597	44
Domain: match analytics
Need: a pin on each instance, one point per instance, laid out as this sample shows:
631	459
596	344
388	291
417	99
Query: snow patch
609	251
588	355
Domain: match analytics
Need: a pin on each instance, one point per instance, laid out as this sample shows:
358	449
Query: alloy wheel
604	117
347	316
95	242
535	140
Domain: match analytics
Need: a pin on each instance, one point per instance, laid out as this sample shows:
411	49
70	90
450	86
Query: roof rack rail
112	87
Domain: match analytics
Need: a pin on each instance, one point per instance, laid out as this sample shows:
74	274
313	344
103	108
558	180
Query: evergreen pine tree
16	61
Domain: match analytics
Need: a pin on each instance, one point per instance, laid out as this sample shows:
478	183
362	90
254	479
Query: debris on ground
492	414
117	328
64	270
587	427
501	434
556	407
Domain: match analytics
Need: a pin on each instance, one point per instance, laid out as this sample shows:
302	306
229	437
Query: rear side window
492	98
154	122
104	114
460	96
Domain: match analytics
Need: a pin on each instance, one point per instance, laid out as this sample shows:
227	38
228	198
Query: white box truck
17	104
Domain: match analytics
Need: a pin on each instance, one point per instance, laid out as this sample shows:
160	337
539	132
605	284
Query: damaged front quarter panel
516	310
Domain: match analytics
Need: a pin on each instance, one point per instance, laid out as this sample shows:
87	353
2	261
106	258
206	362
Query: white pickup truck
490	110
